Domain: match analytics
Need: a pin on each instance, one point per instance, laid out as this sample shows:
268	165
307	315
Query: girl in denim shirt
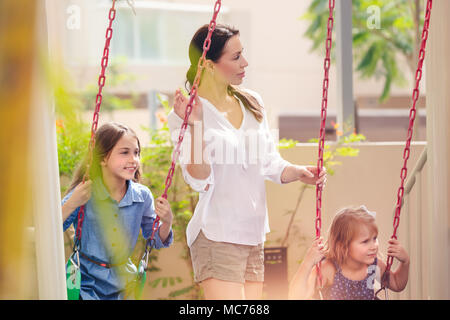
116	208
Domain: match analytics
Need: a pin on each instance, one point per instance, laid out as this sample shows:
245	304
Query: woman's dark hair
219	39
106	137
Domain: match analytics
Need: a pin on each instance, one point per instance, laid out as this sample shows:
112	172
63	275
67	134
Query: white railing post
418	231
438	133
46	197
412	229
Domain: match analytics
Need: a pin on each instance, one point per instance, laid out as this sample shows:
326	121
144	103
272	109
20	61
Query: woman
227	155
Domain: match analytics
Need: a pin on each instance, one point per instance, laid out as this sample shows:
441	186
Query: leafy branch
378	52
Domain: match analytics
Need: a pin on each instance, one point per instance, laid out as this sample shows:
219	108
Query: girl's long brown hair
219	38
106	137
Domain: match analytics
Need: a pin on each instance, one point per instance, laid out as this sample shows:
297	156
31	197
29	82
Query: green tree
377	51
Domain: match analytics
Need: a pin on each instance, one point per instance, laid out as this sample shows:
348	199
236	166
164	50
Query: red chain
326	65
98	103
193	95
412	117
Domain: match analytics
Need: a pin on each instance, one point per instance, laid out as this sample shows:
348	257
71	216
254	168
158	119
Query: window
159	33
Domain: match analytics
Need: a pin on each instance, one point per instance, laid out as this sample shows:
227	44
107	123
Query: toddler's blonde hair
343	230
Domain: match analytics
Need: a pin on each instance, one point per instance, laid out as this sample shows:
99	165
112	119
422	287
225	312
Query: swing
73	274
176	153
326	65
406	152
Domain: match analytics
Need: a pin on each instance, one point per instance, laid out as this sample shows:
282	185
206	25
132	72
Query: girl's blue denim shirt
109	234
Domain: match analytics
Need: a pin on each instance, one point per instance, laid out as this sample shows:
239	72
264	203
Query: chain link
193	95
412	117
98	103
323	115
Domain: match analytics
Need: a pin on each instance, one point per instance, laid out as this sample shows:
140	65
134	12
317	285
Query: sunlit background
50	54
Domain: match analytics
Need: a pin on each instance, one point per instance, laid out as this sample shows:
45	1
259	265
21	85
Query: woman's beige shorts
226	261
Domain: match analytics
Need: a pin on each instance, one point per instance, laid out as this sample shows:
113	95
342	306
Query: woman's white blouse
232	200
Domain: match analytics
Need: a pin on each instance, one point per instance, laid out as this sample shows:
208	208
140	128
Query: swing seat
141	278
73	278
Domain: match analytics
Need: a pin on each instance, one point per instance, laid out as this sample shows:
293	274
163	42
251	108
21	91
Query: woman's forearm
290	174
197	167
